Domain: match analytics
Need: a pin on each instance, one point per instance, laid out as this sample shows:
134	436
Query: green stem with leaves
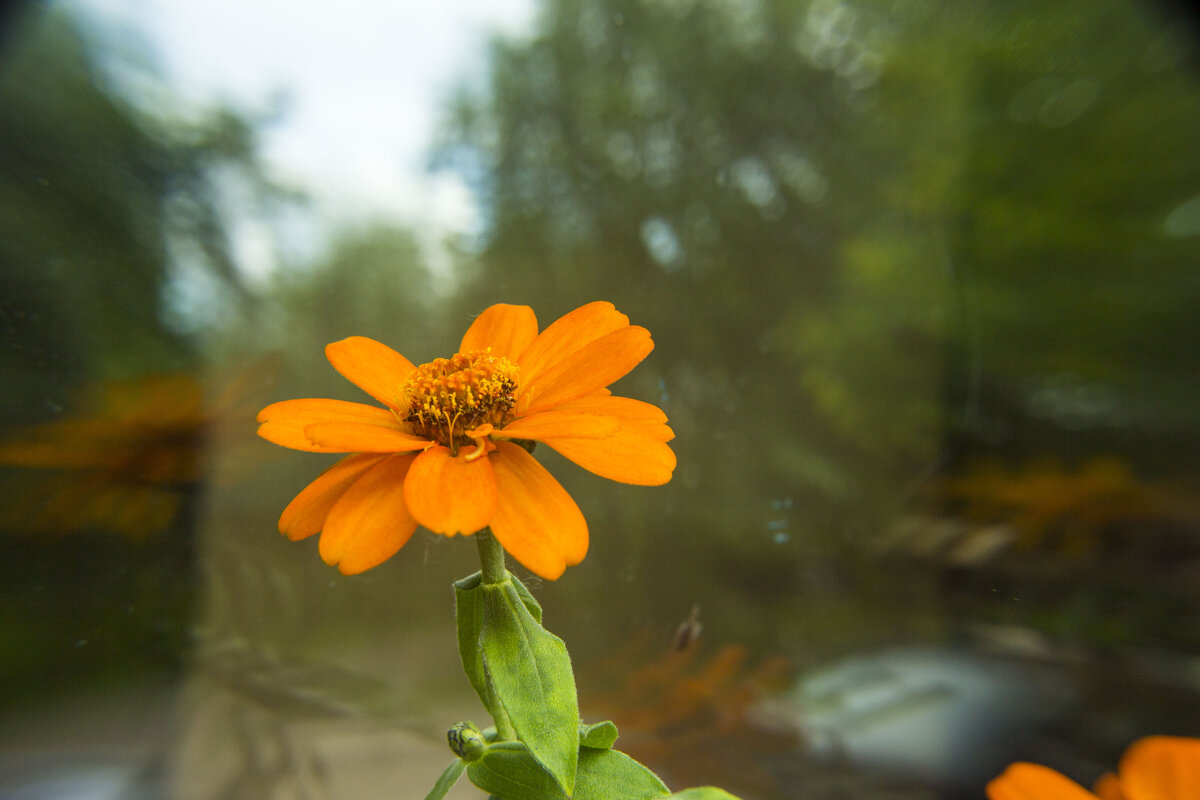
493	570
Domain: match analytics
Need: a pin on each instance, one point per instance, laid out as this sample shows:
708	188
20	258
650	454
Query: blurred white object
937	716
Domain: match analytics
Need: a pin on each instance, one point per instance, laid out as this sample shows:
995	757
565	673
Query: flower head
1153	768
450	448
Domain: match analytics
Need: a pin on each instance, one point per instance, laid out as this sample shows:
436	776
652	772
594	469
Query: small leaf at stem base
508	771
703	793
598	736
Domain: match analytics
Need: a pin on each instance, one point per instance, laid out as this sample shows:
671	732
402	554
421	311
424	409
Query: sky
363	83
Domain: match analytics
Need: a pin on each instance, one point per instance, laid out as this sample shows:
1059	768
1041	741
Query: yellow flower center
449	396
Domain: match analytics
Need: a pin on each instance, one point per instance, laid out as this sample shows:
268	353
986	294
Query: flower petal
636	454
283	423
506	329
449	494
371	366
536	520
1161	768
371	521
591	367
567	334
625	408
1108	787
1034	782
363	437
306	514
556	422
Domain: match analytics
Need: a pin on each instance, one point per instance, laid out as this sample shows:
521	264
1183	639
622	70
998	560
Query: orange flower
451	447
1153	768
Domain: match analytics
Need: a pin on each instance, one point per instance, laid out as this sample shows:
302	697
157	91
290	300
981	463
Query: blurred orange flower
1153	768
450	449
124	467
127	460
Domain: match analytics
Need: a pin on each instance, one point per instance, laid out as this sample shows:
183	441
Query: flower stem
491	557
505	732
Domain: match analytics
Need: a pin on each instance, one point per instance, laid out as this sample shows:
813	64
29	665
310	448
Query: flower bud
466	741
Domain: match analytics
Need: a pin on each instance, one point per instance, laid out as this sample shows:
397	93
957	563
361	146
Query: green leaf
530	672
469	582
612	775
448	779
703	793
534	608
468	604
509	771
600	736
468	612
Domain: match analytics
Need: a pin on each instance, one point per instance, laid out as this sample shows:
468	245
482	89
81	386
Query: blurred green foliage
871	240
101	200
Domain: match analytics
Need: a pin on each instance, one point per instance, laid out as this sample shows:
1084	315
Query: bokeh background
924	279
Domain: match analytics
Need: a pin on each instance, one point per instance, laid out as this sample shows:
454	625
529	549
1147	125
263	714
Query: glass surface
924	283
